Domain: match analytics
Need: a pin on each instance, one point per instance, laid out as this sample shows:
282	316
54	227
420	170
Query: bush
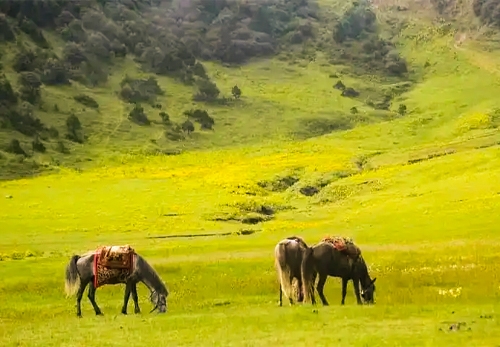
14	147
30	28
28	60
202	117
138	90
7	94
165	118
402	109
75	130
30	86
207	91
138	116
38	146
74	54
86	101
187	126
236	92
350	92
55	73
23	119
74	32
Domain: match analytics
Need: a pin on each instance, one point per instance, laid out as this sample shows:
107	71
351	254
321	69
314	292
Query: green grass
425	229
428	229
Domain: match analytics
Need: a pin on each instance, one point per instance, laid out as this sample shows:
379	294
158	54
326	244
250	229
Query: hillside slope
85	81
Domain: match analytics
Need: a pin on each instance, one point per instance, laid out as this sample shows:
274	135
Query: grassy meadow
418	193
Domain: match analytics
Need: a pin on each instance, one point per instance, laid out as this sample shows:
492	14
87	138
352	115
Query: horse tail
307	272
283	269
72	277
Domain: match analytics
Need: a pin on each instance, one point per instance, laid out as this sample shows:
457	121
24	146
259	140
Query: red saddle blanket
344	245
113	264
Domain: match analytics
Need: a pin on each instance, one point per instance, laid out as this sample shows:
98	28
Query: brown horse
324	259
288	255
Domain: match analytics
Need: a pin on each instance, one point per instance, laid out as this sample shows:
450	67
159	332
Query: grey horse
288	255
80	273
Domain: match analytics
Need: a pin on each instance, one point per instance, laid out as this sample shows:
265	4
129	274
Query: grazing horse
325	259
287	259
113	265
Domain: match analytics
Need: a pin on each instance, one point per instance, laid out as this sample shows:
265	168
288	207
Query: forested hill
88	79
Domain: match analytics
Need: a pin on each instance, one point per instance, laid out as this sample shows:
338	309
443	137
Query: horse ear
373	280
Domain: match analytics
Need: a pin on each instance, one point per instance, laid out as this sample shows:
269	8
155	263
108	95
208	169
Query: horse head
160	301
368	291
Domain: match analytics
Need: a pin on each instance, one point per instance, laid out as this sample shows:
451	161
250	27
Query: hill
84	80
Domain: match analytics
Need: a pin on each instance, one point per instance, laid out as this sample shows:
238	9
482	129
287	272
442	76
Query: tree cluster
488	11
356	32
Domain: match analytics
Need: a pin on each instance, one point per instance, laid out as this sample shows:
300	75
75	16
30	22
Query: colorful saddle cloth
113	264
344	245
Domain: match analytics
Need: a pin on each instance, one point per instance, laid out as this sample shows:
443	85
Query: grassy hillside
75	101
75	76
415	186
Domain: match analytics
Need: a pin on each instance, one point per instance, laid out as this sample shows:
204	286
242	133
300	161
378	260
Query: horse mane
363	269
152	275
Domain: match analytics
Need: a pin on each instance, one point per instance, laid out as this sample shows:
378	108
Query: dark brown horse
288	255
323	260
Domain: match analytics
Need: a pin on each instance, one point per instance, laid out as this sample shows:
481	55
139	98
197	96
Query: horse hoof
99	314
137	312
125	313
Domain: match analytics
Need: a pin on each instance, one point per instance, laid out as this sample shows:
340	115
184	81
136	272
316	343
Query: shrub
14	147
207	91
138	116
236	92
86	101
202	117
75	130
187	126
139	90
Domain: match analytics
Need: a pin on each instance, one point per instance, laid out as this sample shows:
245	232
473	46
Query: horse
324	259
100	267
287	259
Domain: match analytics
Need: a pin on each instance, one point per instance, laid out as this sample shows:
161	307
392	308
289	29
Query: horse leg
320	287
344	290
356	291
290	298
91	296
126	297
281	296
135	297
79	295
300	294
313	295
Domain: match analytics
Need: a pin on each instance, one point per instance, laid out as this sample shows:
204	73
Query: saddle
116	257
344	245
